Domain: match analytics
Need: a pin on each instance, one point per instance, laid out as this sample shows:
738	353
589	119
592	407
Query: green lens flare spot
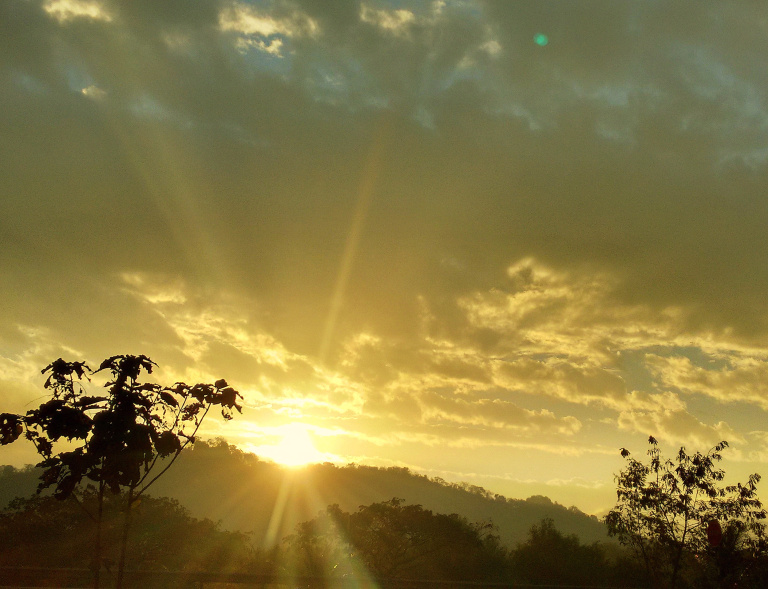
540	39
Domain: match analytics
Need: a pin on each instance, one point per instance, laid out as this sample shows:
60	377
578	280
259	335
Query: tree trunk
676	565
124	540
97	547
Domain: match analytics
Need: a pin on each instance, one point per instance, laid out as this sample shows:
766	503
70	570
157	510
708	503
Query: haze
490	241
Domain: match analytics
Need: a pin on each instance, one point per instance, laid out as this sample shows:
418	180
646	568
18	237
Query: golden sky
490	240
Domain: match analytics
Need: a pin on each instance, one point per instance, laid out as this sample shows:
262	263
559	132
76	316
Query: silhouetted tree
393	540
119	437
43	531
549	557
665	507
318	549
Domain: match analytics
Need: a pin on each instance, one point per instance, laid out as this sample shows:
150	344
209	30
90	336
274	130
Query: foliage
394	540
549	557
121	434
664	508
118	436
323	547
17	482
45	531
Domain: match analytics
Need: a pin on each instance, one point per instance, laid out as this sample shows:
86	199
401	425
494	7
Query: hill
217	481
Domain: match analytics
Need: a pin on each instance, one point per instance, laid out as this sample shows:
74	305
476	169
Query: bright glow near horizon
295	448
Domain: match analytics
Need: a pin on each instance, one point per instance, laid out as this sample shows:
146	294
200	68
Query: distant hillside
245	493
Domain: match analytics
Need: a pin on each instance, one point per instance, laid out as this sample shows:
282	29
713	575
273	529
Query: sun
295	448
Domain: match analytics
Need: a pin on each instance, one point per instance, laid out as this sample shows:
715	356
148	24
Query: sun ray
367	184
278	512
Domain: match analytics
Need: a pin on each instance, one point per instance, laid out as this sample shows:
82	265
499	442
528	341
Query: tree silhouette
665	507
42	531
394	540
120	437
549	557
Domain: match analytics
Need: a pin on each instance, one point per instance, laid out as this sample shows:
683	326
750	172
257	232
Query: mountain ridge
244	492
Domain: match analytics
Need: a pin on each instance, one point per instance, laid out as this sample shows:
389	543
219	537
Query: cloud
393	21
541	233
733	378
249	21
495	189
494	413
678	427
568	380
94	92
66	10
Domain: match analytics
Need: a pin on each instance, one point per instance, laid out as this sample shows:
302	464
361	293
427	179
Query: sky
491	241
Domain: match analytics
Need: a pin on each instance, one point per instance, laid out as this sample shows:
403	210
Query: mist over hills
220	482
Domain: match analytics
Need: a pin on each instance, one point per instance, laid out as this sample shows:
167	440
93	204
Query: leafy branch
121	435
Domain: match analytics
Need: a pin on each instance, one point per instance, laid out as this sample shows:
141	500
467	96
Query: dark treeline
45	531
222	510
387	540
394	540
331	522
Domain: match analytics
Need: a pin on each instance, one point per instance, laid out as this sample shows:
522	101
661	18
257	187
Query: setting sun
295	447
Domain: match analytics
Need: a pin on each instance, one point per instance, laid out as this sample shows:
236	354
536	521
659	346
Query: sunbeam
368	183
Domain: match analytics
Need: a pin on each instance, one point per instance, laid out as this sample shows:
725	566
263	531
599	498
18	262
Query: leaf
167	443
138	439
228	397
59	420
110	363
10	428
169	399
180	389
201	392
191	411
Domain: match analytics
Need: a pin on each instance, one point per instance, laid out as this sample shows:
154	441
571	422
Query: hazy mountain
245	493
16	482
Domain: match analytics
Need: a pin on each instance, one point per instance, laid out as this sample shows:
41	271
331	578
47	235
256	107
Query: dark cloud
349	179
198	155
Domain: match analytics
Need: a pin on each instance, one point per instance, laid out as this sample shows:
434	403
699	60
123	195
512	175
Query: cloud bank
409	223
